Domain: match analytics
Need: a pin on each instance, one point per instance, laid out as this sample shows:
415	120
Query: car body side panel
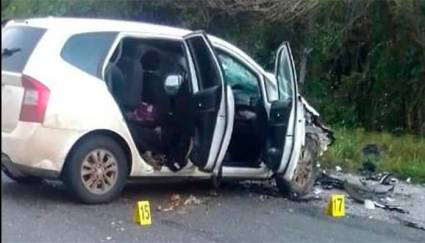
78	101
32	145
81	105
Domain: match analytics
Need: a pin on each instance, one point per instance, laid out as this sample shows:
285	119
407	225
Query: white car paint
73	112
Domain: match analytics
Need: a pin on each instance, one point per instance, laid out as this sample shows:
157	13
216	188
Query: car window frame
268	82
145	35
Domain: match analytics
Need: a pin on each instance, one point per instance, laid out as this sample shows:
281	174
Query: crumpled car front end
318	137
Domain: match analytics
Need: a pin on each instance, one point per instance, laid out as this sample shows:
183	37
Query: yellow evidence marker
142	213
336	206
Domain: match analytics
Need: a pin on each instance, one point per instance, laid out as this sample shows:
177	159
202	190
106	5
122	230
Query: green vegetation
403	155
366	68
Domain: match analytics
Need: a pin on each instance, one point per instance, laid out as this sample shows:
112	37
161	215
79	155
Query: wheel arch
102	132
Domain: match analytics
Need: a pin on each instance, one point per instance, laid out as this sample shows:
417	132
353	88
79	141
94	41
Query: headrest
150	60
131	49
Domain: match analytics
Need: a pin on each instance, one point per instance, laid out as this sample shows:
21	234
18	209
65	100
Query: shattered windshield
237	75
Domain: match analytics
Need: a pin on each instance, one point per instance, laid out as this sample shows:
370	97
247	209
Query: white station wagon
97	102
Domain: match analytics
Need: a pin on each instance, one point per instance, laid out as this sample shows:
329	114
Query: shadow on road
152	189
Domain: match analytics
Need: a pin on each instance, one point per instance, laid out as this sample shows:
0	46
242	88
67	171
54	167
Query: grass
403	155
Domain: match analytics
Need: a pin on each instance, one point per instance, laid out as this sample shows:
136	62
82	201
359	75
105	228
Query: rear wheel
96	170
306	172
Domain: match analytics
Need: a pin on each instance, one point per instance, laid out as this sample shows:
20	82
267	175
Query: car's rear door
208	104
18	42
285	121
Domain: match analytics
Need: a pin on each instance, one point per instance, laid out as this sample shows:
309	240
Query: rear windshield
17	45
87	51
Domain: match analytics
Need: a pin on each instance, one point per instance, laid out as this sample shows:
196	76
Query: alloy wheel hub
99	171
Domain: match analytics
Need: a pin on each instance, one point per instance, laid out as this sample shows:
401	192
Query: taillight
36	97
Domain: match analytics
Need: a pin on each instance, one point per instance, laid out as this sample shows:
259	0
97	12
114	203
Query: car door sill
246	172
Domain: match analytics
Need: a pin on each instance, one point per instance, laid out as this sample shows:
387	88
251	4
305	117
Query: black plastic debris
372	155
364	189
389	207
328	181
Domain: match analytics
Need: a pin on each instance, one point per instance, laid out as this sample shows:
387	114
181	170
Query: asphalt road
45	213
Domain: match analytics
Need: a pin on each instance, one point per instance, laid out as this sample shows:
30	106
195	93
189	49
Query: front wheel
306	172
96	170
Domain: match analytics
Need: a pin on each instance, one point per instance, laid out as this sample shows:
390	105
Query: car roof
95	24
79	25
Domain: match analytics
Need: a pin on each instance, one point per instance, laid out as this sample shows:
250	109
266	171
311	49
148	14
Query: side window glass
24	41
87	51
236	73
284	76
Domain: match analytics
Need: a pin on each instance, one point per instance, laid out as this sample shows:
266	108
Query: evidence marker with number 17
336	206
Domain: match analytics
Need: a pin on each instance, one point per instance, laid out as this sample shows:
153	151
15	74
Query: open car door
286	123
209	105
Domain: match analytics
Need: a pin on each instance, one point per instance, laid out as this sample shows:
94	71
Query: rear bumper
32	149
19	170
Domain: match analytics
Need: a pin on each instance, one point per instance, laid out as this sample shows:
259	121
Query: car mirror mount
172	84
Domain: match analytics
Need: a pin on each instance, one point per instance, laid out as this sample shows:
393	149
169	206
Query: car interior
248	137
160	123
135	76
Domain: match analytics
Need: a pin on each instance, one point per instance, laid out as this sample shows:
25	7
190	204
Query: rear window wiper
6	52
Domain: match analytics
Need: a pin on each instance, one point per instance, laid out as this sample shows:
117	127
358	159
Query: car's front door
285	117
209	104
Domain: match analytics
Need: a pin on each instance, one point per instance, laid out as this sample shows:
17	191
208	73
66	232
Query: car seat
132	72
153	85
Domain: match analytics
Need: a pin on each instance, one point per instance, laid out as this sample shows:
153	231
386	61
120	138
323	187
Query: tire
22	179
306	172
88	165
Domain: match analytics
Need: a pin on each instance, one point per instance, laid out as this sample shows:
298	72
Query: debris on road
176	201
307	198
267	187
167	209
369	204
371	190
394	196
264	197
192	200
213	193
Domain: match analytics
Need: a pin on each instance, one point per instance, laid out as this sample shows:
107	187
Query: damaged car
96	103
